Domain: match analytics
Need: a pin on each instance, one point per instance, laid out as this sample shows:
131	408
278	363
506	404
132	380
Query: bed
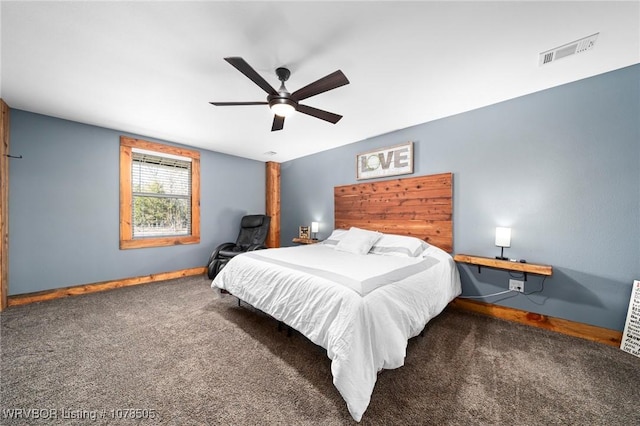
360	294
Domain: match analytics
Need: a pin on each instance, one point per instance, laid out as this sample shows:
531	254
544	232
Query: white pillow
399	245
358	241
335	236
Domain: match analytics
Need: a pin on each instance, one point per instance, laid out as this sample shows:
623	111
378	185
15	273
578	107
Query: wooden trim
126	229
273	203
531	268
4	204
158	147
195	200
159	242
126	202
419	206
571	328
41	296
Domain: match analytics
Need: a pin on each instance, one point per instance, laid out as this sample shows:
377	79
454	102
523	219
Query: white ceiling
152	67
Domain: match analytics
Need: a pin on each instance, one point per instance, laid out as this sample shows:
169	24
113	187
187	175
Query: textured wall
64	207
560	167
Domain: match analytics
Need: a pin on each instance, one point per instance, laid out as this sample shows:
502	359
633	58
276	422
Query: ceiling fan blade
238	103
242	66
278	123
329	82
318	113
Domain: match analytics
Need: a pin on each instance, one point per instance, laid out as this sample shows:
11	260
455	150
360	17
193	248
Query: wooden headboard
419	206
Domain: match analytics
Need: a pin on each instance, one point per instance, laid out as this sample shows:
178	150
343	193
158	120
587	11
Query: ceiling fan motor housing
281	98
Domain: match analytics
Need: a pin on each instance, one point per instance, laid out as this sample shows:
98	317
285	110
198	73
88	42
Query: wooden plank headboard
419	206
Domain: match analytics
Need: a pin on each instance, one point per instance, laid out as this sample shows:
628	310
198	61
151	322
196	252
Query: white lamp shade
314	226
503	237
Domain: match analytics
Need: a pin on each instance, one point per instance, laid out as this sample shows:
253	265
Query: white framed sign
390	161
631	336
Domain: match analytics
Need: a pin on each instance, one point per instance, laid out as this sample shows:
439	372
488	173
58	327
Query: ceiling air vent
568	49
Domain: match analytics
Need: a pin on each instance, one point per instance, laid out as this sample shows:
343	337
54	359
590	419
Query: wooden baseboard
571	328
40	296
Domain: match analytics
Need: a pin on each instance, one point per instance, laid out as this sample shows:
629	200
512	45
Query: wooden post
4	204
273	203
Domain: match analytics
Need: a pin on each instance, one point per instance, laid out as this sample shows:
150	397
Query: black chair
253	233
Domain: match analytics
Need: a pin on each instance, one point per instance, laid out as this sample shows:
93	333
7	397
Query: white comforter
361	308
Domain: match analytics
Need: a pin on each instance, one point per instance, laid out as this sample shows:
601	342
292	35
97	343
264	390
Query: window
159	194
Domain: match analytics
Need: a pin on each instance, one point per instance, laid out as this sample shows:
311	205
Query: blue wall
64	206
560	167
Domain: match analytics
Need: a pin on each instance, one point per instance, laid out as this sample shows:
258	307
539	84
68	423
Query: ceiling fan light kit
282	109
283	103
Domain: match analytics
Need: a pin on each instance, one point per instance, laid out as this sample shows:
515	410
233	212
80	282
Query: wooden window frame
126	195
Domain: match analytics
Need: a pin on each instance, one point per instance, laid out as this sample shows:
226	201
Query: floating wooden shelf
489	262
305	241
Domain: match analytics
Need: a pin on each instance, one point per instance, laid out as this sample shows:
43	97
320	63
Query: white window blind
161	186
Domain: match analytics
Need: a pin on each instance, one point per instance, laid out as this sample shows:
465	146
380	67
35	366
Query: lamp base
501	257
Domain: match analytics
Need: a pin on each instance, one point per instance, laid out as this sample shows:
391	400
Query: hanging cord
537	291
511	291
487	295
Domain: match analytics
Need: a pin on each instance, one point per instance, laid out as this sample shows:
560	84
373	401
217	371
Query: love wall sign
390	161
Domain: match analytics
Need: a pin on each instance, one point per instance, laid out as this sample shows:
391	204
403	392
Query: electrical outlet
516	285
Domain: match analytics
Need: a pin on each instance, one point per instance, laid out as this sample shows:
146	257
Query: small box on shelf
303	233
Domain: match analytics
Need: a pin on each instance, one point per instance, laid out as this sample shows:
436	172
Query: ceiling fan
283	103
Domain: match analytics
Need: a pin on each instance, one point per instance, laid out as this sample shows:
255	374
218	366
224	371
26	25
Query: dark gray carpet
174	349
